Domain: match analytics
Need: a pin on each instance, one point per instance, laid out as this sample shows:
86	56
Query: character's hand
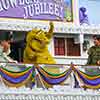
51	24
98	62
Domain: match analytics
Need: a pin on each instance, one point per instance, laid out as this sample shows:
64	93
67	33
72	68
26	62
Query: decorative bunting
17	79
51	79
88	81
14	74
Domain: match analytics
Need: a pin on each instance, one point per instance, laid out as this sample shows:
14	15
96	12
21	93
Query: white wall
69	60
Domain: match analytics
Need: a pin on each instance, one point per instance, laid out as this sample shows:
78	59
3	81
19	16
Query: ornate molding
60	27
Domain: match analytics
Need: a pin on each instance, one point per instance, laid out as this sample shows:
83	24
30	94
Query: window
59	44
66	47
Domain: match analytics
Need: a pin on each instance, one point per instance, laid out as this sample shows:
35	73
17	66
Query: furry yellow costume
36	50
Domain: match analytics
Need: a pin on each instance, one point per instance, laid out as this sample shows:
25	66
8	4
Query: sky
93	10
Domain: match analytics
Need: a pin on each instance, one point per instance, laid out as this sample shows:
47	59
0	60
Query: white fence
56	93
44	95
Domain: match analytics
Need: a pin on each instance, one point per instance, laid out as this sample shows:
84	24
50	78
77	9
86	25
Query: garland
89	81
17	79
54	79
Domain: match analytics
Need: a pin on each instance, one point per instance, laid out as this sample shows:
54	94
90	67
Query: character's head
96	39
37	39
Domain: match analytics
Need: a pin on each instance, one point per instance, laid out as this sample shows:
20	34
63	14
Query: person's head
5	42
6	45
96	39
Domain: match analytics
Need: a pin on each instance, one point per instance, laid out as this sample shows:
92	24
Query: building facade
72	34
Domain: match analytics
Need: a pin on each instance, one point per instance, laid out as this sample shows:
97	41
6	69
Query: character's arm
49	34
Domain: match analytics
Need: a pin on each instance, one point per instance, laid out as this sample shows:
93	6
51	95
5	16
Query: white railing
66	92
44	95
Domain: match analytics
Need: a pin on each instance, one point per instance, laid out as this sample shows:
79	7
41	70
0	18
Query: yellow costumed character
36	51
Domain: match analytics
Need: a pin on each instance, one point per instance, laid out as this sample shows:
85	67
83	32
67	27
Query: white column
81	43
51	47
75	4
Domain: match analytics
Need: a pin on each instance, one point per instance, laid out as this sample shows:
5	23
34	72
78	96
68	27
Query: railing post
38	77
76	83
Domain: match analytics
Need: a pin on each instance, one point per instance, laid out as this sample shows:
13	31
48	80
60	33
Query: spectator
94	55
5	48
94	52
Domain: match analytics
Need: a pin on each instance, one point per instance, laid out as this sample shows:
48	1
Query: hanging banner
56	10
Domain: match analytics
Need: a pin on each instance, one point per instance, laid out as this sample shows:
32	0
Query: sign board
56	10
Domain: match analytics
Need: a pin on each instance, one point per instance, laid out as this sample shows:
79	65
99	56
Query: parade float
28	79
